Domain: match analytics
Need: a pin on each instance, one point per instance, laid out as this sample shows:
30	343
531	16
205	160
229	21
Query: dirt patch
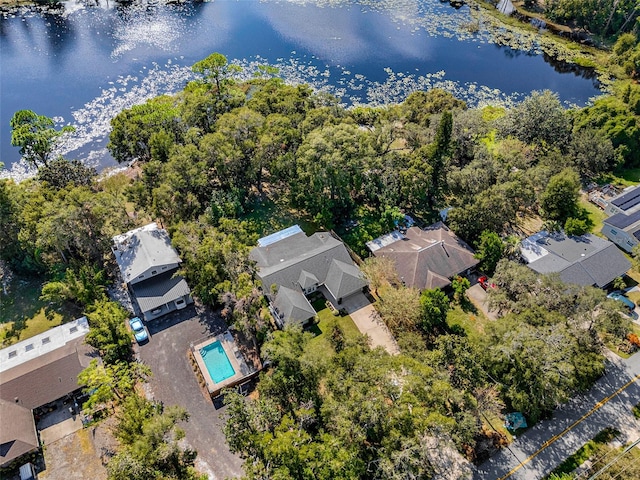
81	455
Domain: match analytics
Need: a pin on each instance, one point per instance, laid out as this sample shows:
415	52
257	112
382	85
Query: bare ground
81	455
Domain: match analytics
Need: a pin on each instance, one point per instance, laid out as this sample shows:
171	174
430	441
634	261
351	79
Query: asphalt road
174	383
540	449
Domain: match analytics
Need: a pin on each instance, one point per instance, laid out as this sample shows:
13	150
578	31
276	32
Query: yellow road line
570	427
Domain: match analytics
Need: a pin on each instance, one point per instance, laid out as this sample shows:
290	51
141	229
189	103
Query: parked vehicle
139	330
620	297
485	284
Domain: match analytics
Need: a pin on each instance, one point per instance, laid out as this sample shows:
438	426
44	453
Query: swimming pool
217	362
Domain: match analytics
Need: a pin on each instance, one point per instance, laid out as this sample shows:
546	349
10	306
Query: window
13	354
154	272
73	329
614	232
46	340
28	348
141	276
164	268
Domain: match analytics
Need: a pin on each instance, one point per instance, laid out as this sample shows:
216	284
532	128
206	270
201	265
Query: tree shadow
467	305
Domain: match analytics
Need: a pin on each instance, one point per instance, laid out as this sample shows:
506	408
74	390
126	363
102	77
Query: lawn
25	315
596	213
626	177
268	216
320	344
472	323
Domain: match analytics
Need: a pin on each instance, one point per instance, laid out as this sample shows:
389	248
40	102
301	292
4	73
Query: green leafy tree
539	119
489	251
60	172
132	130
559	201
216	70
108	332
434	306
576	226
83	287
107	383
35	135
151	439
460	285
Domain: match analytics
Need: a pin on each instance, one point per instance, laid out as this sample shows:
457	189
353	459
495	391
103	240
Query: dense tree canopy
224	162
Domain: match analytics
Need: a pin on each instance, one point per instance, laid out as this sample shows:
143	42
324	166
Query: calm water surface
81	63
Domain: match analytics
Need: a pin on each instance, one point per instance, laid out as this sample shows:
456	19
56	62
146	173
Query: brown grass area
81	455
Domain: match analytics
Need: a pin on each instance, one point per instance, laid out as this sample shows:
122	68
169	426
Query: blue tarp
514	421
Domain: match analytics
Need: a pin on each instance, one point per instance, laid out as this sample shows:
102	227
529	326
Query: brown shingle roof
429	258
47	377
18	433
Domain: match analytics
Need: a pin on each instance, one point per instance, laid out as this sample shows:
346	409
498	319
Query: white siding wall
619	237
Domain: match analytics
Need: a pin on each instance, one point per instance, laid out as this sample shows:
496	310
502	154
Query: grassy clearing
597	215
473	323
268	216
636	411
320	344
25	315
627	177
586	451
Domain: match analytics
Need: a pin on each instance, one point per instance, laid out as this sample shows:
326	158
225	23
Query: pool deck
240	366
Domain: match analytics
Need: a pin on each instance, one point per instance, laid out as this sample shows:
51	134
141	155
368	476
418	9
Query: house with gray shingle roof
582	260
292	265
148	265
426	258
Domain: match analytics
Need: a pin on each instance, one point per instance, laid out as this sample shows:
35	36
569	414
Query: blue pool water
217	362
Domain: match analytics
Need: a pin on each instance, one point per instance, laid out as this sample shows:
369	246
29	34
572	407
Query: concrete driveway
366	318
479	298
174	383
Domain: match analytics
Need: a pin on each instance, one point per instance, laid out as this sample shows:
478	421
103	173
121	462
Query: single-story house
623	230
292	265
582	260
426	258
627	202
148	265
34	373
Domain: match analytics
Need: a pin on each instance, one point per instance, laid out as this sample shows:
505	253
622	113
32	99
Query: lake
81	62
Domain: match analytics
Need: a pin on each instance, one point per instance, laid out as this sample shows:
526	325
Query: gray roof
293	305
48	377
343	279
143	249
622	220
307	279
159	290
627	200
429	258
17	436
282	262
583	260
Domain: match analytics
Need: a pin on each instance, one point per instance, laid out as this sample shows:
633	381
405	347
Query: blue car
619	296
139	330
